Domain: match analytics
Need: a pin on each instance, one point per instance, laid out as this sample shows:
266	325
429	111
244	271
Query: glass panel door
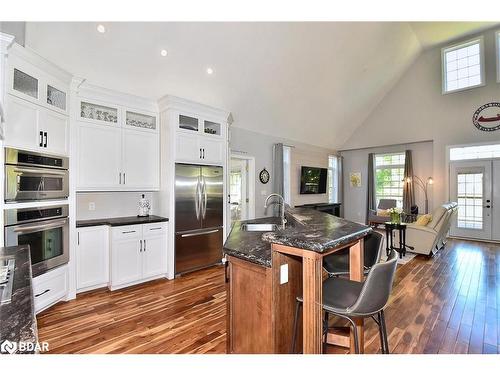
470	187
188	123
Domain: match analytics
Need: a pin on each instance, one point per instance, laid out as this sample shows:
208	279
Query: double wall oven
31	177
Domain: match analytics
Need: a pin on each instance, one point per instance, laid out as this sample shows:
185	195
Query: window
389	174
463	66
470	200
475	152
333	179
287	160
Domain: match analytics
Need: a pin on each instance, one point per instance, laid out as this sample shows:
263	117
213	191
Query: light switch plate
91	206
283	273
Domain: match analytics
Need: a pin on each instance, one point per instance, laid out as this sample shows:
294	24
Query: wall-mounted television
313	180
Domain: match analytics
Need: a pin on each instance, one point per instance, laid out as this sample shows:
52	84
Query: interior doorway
241	187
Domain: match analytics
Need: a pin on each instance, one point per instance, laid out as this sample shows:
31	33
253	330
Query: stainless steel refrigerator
199	207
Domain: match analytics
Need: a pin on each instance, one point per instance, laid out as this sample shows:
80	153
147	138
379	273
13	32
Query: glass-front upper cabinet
210	127
32	84
25	84
189	123
94	112
140	120
56	98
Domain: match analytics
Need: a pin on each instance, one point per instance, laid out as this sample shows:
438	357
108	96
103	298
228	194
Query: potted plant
395	213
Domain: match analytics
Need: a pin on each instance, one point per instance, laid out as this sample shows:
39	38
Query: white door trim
251	181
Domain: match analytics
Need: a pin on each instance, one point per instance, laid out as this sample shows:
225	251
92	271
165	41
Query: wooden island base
261	310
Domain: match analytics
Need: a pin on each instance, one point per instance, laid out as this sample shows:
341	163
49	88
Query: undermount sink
264	227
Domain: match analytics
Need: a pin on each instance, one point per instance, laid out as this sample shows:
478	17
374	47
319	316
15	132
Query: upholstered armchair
427	239
383	204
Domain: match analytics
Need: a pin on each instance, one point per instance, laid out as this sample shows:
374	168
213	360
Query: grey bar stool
352	299
337	264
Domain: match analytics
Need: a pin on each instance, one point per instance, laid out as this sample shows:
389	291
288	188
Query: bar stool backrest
377	288
373	248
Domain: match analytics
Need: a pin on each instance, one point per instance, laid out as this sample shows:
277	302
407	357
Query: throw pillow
424	220
382	212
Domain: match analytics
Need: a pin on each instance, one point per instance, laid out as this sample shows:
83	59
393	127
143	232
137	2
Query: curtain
340	197
278	175
370	191
408	188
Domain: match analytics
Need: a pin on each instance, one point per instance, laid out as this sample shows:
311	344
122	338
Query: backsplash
112	204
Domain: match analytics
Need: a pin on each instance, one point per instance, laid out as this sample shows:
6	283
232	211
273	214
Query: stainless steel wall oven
34	176
44	229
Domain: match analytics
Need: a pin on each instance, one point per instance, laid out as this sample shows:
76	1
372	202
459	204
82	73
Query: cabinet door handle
123	178
157	228
41	294
200	153
120	178
41	139
78	238
45	135
203	153
140	241
129	231
144	245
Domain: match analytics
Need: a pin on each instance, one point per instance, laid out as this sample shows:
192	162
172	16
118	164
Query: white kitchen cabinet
154	249
99	157
119	148
141	169
50	288
194	148
138	253
126	255
92	263
32	127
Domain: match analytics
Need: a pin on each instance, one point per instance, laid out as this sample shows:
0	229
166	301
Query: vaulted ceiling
309	82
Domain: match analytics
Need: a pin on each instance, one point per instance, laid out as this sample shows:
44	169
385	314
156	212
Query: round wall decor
487	117
264	176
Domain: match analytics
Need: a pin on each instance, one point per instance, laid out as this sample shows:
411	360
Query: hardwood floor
447	304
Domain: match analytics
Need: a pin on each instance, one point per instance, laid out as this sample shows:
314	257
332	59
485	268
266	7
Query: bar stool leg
384	330
295	326
355	334
381	333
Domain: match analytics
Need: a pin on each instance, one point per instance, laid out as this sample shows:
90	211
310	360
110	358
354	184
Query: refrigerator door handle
205	198
197	199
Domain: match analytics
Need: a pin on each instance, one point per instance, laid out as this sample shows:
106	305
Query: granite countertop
119	221
17	318
306	229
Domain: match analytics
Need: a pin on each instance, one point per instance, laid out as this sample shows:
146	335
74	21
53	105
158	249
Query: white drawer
126	232
154	229
50	288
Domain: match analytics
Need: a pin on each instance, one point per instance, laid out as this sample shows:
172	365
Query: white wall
416	110
112	204
357	161
261	147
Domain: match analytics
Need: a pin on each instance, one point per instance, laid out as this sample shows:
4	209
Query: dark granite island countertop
306	229
17	318
119	221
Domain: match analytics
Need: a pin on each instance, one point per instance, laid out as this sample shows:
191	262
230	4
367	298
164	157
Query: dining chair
351	300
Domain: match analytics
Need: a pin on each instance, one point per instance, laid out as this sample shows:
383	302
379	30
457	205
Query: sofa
428	239
383	204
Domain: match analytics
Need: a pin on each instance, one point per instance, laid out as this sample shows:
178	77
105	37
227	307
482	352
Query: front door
471	188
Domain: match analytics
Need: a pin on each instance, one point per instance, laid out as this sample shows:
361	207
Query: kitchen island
17	317
267	270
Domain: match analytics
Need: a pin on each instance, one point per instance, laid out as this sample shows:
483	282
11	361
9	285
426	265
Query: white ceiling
308	82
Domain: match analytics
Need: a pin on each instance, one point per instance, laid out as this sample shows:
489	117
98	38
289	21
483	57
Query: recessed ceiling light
101	28
210	71
163	52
